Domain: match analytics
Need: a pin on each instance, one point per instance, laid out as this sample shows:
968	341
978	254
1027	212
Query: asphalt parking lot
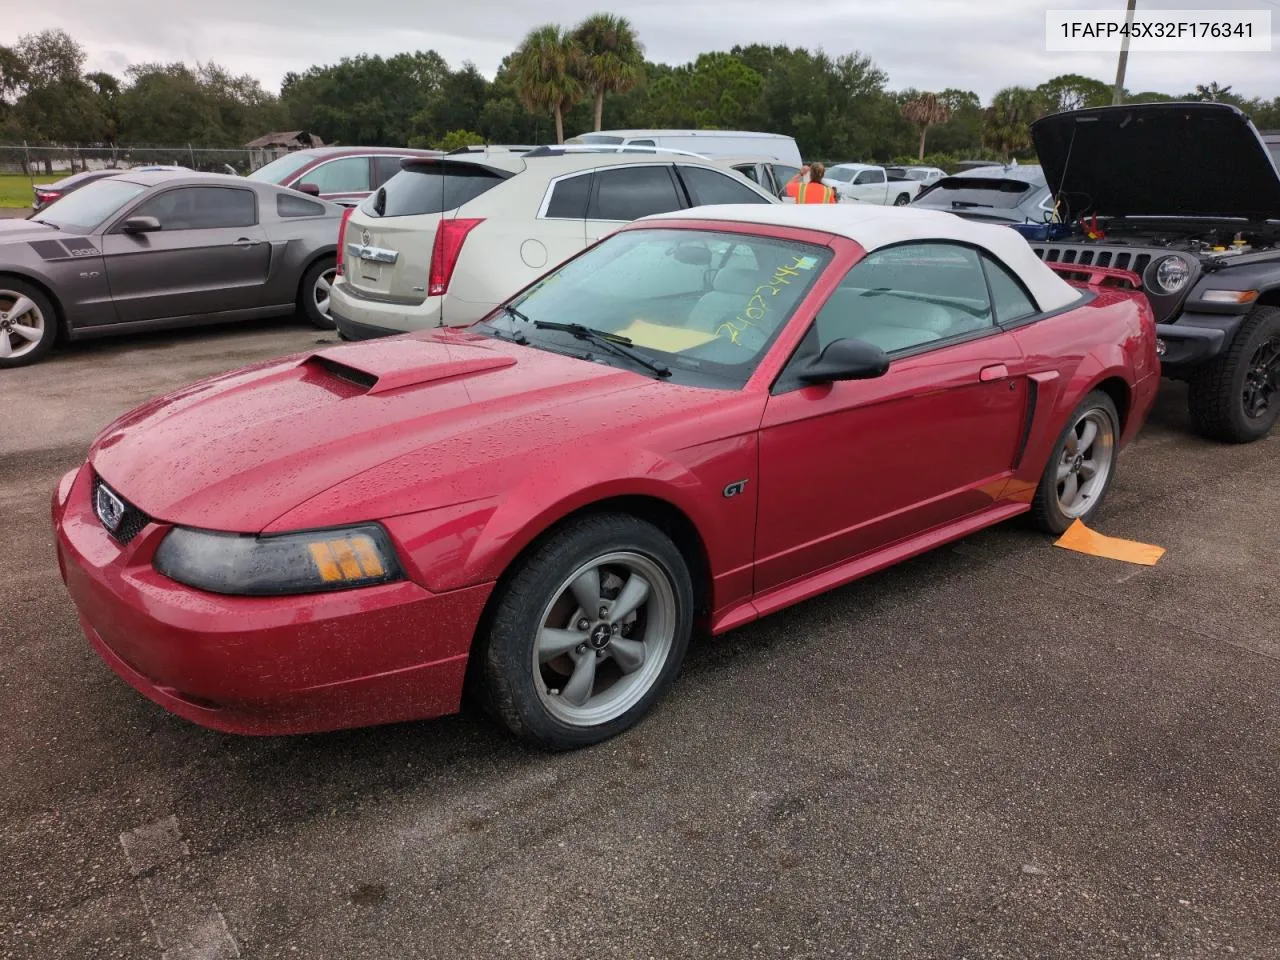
1002	749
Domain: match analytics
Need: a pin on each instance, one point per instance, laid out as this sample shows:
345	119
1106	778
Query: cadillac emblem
109	508
364	237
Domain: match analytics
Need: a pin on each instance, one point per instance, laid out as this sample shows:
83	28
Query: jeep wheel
1236	397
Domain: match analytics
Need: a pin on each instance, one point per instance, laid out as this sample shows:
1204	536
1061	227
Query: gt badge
733	489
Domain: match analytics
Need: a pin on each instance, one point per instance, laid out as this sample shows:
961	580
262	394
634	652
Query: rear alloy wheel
314	291
588	634
28	326
1081	467
902	200
1236	397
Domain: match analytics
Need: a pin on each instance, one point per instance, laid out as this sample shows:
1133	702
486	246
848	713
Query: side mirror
310	189
137	225
846	360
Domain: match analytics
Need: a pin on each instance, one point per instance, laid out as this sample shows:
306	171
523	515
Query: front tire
313	292
1081	468
28	324
1236	397
588	634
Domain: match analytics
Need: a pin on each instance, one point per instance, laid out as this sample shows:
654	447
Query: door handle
997	371
247	242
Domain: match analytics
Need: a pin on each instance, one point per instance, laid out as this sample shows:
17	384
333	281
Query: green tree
456	139
925	111
1071	91
1007	128
107	89
545	73
1213	92
611	59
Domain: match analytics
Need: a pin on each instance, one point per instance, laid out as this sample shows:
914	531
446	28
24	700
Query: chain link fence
44	160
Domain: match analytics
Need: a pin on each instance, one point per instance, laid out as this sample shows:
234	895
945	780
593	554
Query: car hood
461	415
25	231
1159	160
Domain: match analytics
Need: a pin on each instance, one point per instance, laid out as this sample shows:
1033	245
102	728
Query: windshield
707	304
282	168
843	175
92	204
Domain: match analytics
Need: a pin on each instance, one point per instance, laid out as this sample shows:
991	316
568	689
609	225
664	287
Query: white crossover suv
448	238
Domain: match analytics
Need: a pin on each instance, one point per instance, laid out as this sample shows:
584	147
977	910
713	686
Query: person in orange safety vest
814	190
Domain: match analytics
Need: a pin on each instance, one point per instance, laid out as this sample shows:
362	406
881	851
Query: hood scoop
384	365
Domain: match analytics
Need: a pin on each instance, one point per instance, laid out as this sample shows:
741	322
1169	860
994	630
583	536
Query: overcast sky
979	45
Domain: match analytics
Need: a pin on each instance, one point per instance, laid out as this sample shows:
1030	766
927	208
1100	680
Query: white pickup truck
864	183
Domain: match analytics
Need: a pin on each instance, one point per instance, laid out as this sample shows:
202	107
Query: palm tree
1007	125
925	111
545	73
612	59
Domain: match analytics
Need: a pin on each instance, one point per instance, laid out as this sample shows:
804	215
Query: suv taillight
342	237
444	255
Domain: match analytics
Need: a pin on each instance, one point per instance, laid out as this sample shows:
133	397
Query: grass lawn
15	188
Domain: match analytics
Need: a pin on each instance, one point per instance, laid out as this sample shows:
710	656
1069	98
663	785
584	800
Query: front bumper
255	665
1196	339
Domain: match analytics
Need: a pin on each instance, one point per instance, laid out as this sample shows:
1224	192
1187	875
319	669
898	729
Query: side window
633	192
749	171
569	198
641	143
711	186
1010	299
288	206
384	168
904	297
201	208
344	175
870	176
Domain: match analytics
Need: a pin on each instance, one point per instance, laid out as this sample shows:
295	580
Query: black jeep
1187	197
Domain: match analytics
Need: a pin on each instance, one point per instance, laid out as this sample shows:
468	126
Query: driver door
847	468
209	255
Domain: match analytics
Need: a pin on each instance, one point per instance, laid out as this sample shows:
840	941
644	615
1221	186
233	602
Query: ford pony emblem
109	507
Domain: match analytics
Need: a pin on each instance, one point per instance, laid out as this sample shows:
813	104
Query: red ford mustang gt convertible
702	419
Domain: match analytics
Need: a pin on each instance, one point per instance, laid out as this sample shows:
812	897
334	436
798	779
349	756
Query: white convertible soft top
873	226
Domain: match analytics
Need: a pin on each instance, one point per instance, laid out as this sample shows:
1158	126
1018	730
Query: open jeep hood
1158	160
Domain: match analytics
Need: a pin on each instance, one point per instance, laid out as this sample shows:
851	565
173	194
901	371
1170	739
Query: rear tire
532	654
28	332
1236	397
1081	468
902	200
313	292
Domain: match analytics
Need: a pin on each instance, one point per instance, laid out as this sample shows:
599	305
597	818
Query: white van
708	143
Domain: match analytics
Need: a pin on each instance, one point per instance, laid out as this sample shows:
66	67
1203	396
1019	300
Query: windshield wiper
612	342
965	204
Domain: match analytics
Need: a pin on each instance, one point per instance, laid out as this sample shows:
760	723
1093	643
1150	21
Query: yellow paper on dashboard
658	336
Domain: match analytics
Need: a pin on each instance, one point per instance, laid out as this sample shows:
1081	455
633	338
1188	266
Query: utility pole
1117	96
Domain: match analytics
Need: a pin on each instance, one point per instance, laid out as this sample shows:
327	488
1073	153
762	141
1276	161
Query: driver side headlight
317	561
1172	274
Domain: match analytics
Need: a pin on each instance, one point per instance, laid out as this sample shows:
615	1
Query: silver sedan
154	250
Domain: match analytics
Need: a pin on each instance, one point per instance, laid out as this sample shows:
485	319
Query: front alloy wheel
27	324
604	638
587	634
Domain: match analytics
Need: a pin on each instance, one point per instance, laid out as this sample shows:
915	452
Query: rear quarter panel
1069	354
296	243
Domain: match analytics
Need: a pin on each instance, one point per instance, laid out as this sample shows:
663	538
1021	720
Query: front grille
131	523
1087	256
